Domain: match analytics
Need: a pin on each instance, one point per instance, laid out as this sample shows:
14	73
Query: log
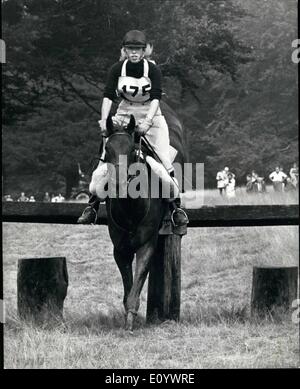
42	287
206	216
164	284
273	290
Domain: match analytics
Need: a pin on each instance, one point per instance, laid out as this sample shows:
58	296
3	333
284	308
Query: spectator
249	183
58	199
289	187
23	197
47	197
230	187
222	180
31	199
8	198
258	183
294	174
278	177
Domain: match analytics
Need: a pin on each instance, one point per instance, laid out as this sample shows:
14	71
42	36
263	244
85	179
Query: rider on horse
138	82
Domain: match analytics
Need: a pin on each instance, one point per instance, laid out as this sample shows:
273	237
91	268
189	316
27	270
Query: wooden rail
206	216
164	286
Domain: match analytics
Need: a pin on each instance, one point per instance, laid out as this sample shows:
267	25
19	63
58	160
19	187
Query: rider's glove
103	129
144	126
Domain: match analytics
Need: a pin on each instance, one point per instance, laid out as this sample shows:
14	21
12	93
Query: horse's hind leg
143	258
124	262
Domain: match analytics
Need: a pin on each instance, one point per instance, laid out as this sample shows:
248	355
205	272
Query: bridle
130	177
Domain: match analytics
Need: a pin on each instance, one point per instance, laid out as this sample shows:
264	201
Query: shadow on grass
96	323
114	321
231	315
91	323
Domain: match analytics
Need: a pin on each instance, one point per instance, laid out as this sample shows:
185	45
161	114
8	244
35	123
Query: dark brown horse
133	222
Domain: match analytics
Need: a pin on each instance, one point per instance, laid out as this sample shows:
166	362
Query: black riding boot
89	215
178	216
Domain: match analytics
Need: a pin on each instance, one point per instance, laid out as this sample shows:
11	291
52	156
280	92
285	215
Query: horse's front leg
143	259
124	261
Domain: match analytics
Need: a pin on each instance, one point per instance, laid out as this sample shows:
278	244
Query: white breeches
170	188
99	180
157	136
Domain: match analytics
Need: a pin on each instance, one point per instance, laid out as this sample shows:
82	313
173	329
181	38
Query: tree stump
42	288
164	285
273	290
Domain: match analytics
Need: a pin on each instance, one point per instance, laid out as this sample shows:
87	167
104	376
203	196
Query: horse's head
120	151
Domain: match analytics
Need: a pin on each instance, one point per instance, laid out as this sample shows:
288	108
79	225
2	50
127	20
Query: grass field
215	330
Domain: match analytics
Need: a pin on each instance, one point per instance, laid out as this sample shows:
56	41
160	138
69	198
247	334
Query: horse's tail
176	132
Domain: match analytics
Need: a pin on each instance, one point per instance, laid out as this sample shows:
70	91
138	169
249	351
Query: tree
232	85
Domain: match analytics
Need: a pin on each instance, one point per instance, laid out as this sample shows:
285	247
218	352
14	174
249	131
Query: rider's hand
144	126
103	129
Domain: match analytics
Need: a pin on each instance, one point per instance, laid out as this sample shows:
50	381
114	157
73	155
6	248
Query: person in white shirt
278	177
222	180
23	197
230	187
58	199
294	174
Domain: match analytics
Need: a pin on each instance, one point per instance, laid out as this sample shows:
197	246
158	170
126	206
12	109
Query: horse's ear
131	125
109	125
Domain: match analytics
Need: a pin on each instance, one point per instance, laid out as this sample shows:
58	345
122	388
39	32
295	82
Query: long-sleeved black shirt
133	70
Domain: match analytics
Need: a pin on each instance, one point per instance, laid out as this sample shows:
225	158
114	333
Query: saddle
169	224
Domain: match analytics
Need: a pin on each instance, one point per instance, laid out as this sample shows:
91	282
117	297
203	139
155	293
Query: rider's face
134	54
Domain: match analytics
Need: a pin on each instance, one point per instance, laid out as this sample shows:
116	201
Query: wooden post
42	287
164	285
273	290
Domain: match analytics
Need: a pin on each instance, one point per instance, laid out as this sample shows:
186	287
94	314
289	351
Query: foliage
226	64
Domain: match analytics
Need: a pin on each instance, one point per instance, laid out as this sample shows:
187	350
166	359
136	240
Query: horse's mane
176	131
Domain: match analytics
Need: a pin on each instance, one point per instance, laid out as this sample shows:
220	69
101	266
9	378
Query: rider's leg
89	215
158	137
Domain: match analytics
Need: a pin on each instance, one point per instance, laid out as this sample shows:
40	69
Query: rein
130	177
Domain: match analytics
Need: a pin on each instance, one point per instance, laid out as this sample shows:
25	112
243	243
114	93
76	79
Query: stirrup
178	210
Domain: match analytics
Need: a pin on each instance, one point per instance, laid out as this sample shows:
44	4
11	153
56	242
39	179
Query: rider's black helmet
134	38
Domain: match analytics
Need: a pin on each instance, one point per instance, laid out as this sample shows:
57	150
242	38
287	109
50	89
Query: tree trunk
164	285
273	290
42	287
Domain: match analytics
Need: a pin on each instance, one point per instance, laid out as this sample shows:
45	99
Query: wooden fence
164	286
206	216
